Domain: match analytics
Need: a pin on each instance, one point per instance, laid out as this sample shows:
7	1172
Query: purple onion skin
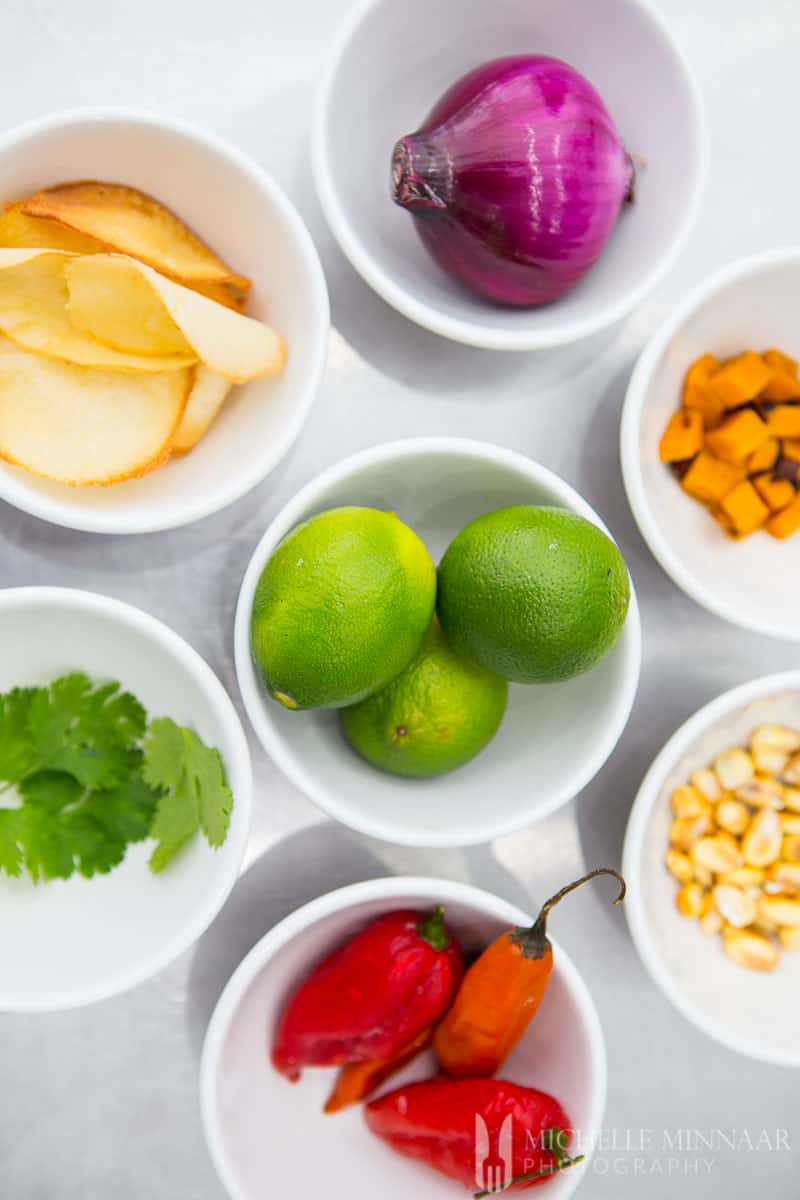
515	180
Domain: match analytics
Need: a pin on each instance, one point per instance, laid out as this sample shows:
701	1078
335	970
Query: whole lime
536	594
341	607
435	716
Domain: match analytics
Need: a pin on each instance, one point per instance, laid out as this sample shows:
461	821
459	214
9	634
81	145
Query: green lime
341	607
536	594
435	716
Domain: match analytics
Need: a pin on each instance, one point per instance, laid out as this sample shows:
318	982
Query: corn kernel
734	769
761	844
690	900
751	950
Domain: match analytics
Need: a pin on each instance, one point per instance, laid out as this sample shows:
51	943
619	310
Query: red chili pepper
357	1081
486	1133
371	997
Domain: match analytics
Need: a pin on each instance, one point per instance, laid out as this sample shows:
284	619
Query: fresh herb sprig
87	776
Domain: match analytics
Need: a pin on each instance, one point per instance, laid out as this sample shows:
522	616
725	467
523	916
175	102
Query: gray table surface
103	1102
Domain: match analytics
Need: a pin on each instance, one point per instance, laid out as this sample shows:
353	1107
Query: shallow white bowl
753	1014
232	203
68	943
749	305
553	739
393	61
260	1128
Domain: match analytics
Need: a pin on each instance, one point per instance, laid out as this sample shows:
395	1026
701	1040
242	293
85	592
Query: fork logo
493	1165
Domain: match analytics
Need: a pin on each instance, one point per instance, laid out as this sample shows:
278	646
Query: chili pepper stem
433	929
533	942
554	1138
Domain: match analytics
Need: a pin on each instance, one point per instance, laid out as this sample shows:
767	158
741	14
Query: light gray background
103	1102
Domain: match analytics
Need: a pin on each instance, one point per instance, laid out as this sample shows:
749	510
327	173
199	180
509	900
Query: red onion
516	179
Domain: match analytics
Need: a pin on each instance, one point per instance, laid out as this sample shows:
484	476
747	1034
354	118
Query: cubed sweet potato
745	508
697	395
764	458
790	448
683	437
741	379
784	421
776	493
779	360
738	436
709	479
786	522
781	386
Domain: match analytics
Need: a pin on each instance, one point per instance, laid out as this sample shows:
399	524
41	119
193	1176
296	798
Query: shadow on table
298	869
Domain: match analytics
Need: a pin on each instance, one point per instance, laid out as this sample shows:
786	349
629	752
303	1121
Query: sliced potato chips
133	223
206	398
108	301
33	313
81	425
19	230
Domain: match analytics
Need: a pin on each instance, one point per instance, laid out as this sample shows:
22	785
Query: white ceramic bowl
260	1129
749	305
553	739
750	1013
390	64
68	943
230	201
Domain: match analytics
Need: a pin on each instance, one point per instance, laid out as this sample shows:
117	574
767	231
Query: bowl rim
384	888
176	514
633	847
258	713
630	443
221	881
459	329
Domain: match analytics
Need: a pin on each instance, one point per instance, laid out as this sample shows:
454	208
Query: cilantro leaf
11	857
61	827
86	731
17	750
194	792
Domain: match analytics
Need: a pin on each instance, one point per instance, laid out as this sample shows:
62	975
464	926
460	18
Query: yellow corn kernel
751	950
706	783
687	802
761	845
686	830
734	768
718	854
732	816
691	900
738	908
790	938
680	866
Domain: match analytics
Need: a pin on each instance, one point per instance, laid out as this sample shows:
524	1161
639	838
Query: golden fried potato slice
129	306
134	223
33	313
17	229
78	425
206	398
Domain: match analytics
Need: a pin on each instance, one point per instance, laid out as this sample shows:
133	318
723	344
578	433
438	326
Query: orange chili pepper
358	1080
500	993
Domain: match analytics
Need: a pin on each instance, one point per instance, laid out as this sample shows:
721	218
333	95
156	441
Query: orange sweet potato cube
709	479
786	522
784	421
781	386
697	395
790	448
741	379
745	508
764	458
780	361
776	493
683	437
738	436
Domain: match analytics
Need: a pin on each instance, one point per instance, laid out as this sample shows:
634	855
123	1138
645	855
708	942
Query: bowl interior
263	1126
249	224
553	737
747	581
755	1014
67	942
401	58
